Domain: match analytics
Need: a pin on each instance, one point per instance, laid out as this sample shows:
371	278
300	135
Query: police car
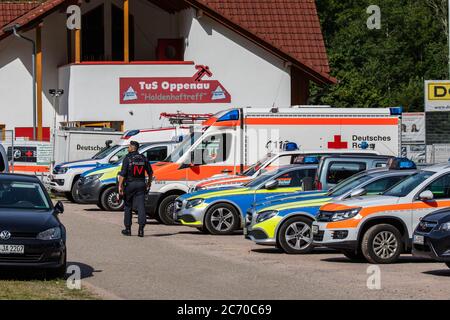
222	211
286	222
380	228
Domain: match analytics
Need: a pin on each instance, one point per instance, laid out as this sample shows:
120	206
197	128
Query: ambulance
234	139
380	228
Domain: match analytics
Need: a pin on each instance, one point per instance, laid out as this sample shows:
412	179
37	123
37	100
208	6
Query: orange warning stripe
323	121
29	169
353	223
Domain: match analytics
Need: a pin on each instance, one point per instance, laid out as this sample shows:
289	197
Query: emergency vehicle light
233	115
130	134
401	163
307	160
290	146
396	111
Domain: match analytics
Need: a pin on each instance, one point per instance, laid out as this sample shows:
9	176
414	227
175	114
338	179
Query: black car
431	238
31	234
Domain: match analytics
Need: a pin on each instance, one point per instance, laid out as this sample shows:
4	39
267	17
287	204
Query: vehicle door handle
226	171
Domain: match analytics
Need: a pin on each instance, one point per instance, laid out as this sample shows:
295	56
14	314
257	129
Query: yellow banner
439	91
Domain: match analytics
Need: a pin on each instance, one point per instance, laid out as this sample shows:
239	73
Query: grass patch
34	288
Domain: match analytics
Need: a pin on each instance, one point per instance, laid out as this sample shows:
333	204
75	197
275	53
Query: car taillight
318	185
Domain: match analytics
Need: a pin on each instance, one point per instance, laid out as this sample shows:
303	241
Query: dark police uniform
133	171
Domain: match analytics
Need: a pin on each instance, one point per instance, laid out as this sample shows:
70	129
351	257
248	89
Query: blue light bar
396	111
290	146
402	164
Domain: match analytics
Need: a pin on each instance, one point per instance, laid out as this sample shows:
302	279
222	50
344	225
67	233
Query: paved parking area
175	262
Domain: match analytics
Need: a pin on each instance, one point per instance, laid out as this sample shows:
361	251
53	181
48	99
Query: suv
432	237
333	169
380	228
99	186
270	162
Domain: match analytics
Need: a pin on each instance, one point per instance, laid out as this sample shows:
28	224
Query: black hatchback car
431	238
31	234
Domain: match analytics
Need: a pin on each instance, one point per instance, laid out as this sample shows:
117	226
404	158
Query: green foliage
386	67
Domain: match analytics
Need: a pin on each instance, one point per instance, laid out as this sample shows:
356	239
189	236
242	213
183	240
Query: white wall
250	74
16	101
253	76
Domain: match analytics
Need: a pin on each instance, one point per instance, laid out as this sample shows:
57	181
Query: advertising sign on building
167	90
413	127
437	95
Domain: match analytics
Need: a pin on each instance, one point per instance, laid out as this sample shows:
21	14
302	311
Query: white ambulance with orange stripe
234	139
380	228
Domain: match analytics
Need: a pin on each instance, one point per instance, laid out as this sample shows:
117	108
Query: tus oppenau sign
437	95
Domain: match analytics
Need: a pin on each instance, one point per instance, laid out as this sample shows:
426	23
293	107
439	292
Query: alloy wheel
385	245
222	219
298	235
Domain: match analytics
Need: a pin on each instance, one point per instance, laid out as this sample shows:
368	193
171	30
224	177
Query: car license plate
315	229
11	249
245	231
419	239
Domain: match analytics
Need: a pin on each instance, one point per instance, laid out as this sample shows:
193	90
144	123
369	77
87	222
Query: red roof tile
292	26
10	11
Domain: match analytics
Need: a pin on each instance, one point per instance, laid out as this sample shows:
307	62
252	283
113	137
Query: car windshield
254	168
104	152
22	195
348	184
183	147
404	187
262	178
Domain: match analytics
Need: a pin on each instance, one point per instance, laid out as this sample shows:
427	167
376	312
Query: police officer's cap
134	144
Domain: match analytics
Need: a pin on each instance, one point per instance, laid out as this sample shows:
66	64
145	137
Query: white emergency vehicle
234	139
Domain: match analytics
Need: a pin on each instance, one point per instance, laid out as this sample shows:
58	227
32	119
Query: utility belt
134	180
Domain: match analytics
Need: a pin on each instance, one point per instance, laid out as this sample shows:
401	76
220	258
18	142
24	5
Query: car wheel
295	236
110	201
74	193
166	209
69	197
354	256
382	244
101	207
448	264
222	219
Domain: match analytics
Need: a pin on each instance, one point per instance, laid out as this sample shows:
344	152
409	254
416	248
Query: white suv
65	175
380	228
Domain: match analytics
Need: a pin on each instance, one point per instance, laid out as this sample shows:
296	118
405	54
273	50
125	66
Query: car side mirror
358	193
426	195
271	185
59	207
113	159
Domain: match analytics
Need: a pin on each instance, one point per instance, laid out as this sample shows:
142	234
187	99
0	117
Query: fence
438	153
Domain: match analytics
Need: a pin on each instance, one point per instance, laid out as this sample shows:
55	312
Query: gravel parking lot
175	262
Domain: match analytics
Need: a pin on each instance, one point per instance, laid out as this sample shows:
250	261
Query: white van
65	175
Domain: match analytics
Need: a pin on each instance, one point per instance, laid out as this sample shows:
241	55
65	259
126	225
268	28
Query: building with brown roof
133	59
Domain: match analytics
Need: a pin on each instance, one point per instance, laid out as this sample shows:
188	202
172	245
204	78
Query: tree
386	67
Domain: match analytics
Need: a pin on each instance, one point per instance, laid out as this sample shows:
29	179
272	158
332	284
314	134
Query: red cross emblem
29	153
337	143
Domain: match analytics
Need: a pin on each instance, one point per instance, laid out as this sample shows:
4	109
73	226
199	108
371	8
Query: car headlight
445	227
50	234
92	177
344	215
60	170
194	202
266	215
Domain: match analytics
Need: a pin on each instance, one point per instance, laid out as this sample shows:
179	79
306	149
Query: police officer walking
132	186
